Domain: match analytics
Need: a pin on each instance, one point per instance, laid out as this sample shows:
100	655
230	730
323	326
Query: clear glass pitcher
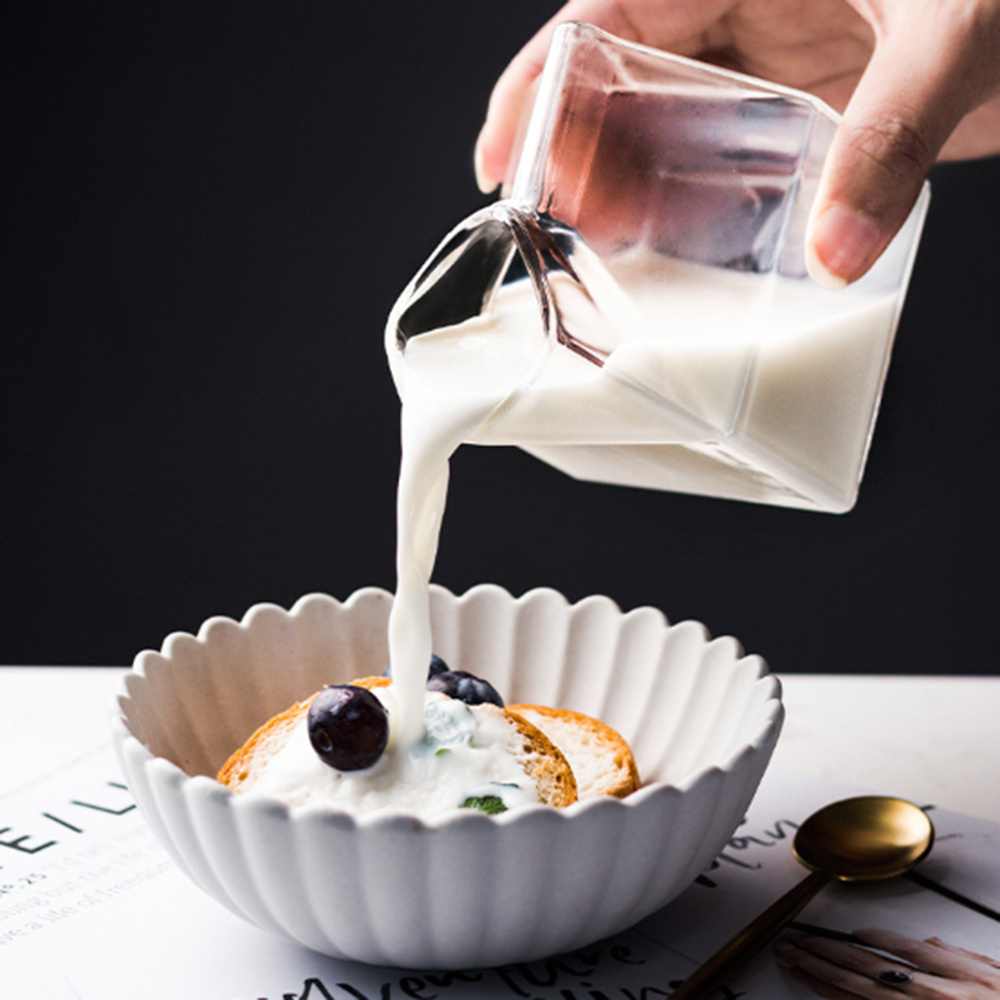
638	301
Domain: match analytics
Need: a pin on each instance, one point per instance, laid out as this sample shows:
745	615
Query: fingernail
840	246
485	183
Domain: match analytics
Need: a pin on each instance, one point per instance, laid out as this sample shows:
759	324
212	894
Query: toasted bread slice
373	682
262	745
601	759
540	758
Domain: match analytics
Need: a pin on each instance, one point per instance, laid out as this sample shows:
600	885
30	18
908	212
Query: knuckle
893	144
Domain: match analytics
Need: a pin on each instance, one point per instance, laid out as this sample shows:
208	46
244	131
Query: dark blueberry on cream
463	686
348	727
438	666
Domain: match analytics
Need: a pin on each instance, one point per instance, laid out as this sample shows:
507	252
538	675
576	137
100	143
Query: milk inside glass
639	298
636	309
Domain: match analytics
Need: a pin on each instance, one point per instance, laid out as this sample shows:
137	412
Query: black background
209	211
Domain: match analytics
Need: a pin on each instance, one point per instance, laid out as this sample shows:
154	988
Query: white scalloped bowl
471	890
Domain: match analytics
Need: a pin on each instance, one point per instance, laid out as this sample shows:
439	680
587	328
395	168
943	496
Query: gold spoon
864	839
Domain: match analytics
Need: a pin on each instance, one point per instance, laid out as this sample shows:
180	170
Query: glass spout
498	246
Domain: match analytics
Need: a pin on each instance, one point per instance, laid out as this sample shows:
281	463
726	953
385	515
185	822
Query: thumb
902	112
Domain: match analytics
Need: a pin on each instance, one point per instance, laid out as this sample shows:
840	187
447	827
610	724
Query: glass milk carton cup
637	306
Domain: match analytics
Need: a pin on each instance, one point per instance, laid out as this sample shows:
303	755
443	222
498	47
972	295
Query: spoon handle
731	956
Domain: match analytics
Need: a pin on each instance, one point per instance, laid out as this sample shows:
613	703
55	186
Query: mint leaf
489	804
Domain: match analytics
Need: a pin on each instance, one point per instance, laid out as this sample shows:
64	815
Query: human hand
938	971
916	80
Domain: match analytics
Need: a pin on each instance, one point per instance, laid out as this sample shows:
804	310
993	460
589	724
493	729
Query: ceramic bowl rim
646	795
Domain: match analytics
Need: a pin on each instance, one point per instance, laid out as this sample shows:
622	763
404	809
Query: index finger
924	954
510	93
965	951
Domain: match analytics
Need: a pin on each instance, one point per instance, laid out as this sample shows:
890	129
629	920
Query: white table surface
934	740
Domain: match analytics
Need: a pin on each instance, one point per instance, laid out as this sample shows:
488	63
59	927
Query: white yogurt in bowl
463	754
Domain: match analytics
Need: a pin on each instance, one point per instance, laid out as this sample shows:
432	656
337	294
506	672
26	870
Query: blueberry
348	727
463	686
438	666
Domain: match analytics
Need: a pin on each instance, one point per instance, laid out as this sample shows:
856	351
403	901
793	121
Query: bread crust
266	740
372	682
272	735
544	763
576	734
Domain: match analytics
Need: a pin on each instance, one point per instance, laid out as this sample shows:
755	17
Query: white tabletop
934	740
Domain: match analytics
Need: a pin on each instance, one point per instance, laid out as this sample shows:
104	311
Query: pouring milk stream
637	310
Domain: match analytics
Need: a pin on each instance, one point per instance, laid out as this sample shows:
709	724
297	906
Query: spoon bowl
863	839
